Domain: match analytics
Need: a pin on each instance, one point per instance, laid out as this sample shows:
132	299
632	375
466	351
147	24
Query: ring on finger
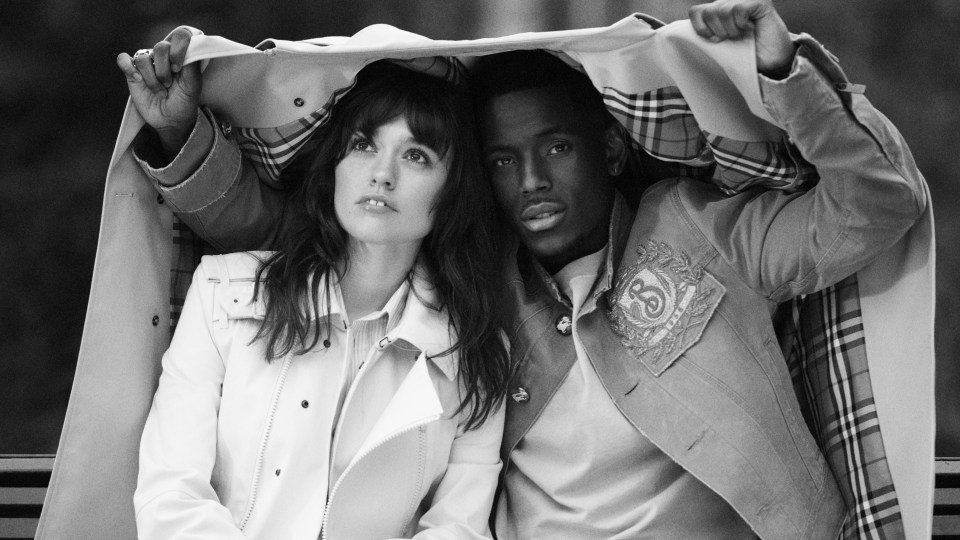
143	52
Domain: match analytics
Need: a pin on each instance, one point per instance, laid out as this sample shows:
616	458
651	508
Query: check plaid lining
823	341
821	334
661	122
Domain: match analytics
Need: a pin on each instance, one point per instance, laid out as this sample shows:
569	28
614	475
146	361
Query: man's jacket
683	339
870	409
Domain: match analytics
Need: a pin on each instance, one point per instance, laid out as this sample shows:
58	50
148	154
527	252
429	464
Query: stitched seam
780	401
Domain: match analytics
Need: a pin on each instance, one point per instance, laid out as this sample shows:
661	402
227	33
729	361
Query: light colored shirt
355	342
583	471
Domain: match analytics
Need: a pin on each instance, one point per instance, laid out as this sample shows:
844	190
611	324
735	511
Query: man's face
547	161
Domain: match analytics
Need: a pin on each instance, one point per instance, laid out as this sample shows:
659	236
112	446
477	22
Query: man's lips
539	216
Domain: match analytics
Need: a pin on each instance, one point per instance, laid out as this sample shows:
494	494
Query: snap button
298	102
155	320
521	395
304	404
564	325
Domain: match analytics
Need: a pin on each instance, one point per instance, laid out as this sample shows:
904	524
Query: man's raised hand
736	19
165	92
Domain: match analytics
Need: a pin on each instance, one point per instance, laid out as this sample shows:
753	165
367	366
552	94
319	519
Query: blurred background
62	97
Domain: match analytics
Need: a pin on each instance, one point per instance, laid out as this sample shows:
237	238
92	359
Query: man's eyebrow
550	131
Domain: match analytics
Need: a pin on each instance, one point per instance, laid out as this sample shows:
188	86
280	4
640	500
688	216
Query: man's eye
503	161
558	148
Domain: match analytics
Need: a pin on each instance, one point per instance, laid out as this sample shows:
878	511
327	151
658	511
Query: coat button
326	344
159	199
298	102
277	472
564	325
304	404
521	395
155	320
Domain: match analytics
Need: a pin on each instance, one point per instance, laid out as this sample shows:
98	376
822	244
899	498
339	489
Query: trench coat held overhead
257	89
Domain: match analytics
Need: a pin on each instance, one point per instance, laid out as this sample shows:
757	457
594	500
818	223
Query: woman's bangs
427	113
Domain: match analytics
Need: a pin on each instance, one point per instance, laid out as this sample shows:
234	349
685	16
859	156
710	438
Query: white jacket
236	447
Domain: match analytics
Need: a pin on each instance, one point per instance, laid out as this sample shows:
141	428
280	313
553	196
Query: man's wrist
781	70
172	140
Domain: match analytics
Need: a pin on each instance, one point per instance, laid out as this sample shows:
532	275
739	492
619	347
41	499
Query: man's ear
616	147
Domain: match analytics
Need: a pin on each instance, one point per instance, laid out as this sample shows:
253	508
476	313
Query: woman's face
386	186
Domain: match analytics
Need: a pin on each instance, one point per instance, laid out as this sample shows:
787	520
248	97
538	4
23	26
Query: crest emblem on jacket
661	304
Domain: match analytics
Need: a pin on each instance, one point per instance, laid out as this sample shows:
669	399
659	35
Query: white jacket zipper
360	457
263	442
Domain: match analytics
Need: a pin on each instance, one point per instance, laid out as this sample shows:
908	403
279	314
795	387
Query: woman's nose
384	174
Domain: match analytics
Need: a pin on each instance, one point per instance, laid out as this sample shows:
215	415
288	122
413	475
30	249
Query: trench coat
142	247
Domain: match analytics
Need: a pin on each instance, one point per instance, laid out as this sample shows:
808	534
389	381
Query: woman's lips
375	204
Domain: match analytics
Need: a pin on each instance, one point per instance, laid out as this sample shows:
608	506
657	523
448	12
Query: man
649	396
648	380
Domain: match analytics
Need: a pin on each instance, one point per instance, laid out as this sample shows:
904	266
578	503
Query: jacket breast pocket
661	305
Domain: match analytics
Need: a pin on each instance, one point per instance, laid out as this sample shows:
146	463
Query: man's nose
534	177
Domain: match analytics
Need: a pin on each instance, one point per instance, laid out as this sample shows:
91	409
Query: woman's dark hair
460	256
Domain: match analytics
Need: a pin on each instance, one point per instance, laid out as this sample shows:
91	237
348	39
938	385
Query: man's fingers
190	80
144	64
161	63
179	40
722	19
125	63
743	18
699	26
713	20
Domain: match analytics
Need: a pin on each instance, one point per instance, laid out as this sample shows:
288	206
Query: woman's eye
361	145
503	161
558	148
418	156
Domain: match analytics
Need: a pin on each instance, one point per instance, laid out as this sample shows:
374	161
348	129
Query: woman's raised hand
165	92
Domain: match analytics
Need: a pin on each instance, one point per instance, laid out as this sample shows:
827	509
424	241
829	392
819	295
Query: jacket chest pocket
661	305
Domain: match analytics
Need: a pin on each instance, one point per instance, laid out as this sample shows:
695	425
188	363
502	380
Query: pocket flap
661	304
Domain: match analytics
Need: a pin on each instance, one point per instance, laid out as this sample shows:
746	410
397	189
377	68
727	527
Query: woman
348	384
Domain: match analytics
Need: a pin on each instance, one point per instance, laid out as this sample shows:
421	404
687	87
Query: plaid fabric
661	122
272	149
823	341
188	248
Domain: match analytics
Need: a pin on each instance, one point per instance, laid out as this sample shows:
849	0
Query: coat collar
425	327
420	324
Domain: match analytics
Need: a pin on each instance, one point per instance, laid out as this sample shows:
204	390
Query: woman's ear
617	148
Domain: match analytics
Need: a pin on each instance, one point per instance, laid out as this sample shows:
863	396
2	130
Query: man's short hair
503	73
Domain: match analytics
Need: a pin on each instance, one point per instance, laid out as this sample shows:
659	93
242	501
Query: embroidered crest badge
661	304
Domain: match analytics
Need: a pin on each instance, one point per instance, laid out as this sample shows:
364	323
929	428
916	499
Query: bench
24	479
